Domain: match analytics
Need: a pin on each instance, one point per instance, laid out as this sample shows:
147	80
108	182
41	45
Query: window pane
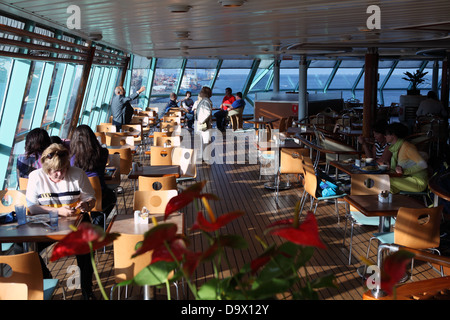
232	78
53	96
166	76
345	78
5	68
288	79
31	93
194	79
262	83
139	78
318	77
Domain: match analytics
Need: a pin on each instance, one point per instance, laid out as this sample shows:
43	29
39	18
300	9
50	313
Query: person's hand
142	89
399	169
84	206
66	211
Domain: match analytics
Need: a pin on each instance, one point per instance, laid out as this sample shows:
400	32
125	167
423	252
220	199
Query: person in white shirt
67	189
431	106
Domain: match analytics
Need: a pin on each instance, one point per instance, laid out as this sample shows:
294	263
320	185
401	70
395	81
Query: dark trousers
118	125
190	119
221	119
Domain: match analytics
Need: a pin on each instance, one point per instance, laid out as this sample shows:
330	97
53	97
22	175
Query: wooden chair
185	158
173	129
161	156
101	137
135	129
143	120
157	183
126	158
154	201
23	183
414	228
13	291
125	267
311	187
364	184
173	120
158	134
106	127
174	141
114	183
119	139
26	269
290	163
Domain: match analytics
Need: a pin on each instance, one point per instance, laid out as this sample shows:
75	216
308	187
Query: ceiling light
231	3
179	8
95	36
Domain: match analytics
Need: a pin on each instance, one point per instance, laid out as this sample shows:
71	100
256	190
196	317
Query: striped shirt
74	188
379	149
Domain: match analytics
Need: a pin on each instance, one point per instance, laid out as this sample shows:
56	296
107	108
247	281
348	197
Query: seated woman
377	148
36	142
58	185
406	160
87	153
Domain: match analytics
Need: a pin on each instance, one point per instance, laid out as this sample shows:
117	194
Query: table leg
147	289
385	224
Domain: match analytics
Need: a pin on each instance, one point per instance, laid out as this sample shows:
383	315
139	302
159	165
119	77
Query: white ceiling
259	28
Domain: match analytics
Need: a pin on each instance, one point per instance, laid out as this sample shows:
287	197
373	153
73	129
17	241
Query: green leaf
271	288
209	290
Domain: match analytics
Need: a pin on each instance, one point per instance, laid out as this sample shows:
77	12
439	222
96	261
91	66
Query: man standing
121	109
222	114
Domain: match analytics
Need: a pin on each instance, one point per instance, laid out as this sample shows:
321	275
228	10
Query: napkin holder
385	197
141	217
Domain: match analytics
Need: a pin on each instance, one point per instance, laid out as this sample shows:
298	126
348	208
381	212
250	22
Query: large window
54	93
318	74
289	74
5	69
232	74
167	75
30	98
198	73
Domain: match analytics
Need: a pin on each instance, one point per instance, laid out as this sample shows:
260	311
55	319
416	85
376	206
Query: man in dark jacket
121	109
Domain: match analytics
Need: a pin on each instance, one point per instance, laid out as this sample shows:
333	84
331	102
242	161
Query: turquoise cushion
7	246
49	288
364	220
387	237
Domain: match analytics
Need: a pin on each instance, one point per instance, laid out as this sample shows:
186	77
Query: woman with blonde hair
59	186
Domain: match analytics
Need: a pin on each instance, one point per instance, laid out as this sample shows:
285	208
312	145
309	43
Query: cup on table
53	215
21	214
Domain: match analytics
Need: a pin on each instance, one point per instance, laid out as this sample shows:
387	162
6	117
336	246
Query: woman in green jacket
406	160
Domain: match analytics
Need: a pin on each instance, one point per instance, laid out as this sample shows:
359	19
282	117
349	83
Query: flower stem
94	267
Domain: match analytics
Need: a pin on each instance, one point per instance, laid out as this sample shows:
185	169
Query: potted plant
415	79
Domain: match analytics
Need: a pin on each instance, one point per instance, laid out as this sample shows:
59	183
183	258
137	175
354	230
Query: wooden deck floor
239	188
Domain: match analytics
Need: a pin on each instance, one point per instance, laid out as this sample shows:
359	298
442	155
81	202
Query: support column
435	78
370	90
445	81
302	89
81	90
276	75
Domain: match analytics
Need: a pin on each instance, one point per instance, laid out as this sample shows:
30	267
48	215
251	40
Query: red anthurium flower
205	225
306	234
77	242
394	268
187	196
155	237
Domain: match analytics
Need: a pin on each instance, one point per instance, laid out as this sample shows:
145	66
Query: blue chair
362	184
